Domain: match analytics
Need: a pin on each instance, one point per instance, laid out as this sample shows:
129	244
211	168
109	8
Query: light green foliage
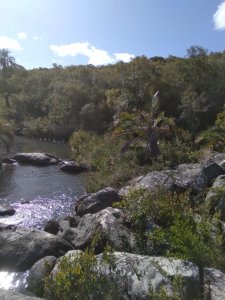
102	153
214	137
79	278
167	224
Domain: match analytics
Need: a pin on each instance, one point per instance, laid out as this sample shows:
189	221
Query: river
47	193
38	193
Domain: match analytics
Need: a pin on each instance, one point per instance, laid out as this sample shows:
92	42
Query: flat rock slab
38	159
22	247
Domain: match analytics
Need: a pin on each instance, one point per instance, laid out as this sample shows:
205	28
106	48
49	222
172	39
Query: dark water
50	192
47	191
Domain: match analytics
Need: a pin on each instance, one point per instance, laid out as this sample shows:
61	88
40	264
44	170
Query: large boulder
107	223
12	295
40	270
39	159
214	284
192	177
215	198
92	203
133	276
22	247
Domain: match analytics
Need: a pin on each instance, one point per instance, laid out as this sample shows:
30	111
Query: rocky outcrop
107	223
193	177
73	167
93	203
6	211
215	198
12	295
214	284
134	276
38	159
52	226
22	247
40	270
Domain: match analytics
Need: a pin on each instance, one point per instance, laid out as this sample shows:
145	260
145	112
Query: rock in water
22	247
38	159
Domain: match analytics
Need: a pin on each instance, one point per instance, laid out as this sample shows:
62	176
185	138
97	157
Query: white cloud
219	17
37	38
22	35
6	42
95	56
125	57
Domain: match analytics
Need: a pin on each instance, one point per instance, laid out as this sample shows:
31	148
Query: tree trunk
152	144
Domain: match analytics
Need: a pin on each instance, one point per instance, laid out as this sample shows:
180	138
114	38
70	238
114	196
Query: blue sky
71	32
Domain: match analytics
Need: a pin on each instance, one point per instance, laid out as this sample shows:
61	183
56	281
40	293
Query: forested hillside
52	103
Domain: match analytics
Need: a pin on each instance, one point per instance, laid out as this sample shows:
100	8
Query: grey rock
214	284
92	203
52	226
39	159
193	177
6	211
22	247
8	161
12	295
108	223
134	275
39	271
215	198
73	167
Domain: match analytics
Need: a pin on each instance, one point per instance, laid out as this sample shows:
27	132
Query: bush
79	278
102	153
167	224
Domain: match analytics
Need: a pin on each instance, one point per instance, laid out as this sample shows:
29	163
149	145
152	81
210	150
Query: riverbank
125	237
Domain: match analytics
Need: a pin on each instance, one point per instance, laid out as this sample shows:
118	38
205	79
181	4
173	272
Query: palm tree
7	62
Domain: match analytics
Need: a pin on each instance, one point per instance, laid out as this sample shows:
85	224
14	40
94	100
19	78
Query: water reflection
17	281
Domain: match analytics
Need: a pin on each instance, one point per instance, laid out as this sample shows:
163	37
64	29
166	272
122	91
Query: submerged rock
92	203
39	159
22	247
6	211
8	161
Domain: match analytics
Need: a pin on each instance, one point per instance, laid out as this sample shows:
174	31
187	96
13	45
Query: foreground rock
38	159
22	247
107	223
135	275
40	270
193	177
93	203
73	167
11	295
6	211
214	284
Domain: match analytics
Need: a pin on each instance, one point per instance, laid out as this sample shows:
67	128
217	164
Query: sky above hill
71	32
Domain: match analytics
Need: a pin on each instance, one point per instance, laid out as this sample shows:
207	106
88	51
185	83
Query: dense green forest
52	103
